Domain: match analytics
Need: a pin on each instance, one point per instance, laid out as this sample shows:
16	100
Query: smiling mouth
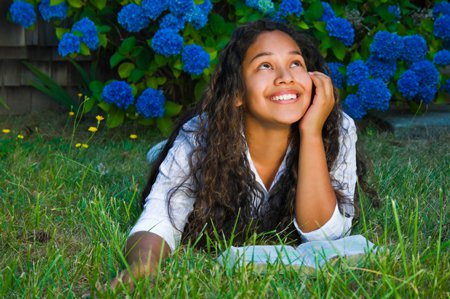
284	97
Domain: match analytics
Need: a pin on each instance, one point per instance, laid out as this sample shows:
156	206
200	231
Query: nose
284	76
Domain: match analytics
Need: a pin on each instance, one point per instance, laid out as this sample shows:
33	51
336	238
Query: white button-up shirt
174	169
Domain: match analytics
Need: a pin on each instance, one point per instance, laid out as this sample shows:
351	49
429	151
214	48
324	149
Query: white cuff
336	227
164	230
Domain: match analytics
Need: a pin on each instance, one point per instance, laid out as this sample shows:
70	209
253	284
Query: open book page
310	254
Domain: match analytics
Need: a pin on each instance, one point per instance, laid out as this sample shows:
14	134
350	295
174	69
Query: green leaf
75	3
104	106
127	45
103	29
160	60
60	32
125	69
84	50
199	88
56	2
115	117
103	40
96	87
172	109
217	23
164	125
303	25
115	59
136	75
314	11
320	26
100	4
88	104
146	121
338	49
178	65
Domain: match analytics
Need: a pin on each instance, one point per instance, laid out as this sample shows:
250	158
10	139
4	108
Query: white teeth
284	97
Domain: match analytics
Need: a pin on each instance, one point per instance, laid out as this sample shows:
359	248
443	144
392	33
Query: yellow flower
84	145
71	113
92	129
6	131
133	136
80	94
99	117
78	145
20	136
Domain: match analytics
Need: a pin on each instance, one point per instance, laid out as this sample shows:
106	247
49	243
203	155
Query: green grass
65	213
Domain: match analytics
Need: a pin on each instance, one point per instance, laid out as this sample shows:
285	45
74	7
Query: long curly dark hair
221	182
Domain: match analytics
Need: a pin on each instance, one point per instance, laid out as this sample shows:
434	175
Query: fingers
323	84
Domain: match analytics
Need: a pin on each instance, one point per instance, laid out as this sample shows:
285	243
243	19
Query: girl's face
277	84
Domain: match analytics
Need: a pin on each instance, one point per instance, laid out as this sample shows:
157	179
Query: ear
239	101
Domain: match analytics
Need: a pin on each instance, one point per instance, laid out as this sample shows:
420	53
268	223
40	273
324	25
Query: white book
312	254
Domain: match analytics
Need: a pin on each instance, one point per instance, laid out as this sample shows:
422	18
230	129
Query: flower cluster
181	7
395	10
264	6
382	69
88	32
151	103
167	42
442	27
414	48
357	71
342	30
353	106
328	12
69	44
119	93
22	13
408	84
442	58
49	12
441	8
420	82
289	7
172	22
336	76
386	45
195	59
133	18
374	94
153	9
197	17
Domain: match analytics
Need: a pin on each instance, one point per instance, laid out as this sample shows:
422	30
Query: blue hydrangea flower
414	48
380	68
374	94
353	106
264	6
442	27
153	9
197	18
22	13
206	6
386	45
150	103
441	8
133	18
342	30
167	42
442	58
170	21
428	80
181	7
356	72
408	84
195	59
48	12
69	44
118	93
336	76
395	10
289	7
328	12
88	31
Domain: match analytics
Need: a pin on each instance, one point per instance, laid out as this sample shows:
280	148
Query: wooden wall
39	47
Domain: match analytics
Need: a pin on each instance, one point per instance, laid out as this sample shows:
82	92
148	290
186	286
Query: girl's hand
321	105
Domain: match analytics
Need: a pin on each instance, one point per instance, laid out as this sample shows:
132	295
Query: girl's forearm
315	198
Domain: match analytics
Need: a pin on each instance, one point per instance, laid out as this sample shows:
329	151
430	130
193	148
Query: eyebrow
270	53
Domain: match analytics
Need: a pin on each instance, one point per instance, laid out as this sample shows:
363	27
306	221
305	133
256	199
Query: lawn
65	212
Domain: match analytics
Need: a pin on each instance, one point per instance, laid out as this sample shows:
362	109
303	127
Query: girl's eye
265	66
296	64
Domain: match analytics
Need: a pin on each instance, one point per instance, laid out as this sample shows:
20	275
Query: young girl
267	149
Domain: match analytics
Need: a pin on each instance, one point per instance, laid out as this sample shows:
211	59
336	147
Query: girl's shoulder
347	124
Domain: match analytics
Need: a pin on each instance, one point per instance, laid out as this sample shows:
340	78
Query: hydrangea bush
381	53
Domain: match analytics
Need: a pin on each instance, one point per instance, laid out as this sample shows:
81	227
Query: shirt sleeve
172	173
344	178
